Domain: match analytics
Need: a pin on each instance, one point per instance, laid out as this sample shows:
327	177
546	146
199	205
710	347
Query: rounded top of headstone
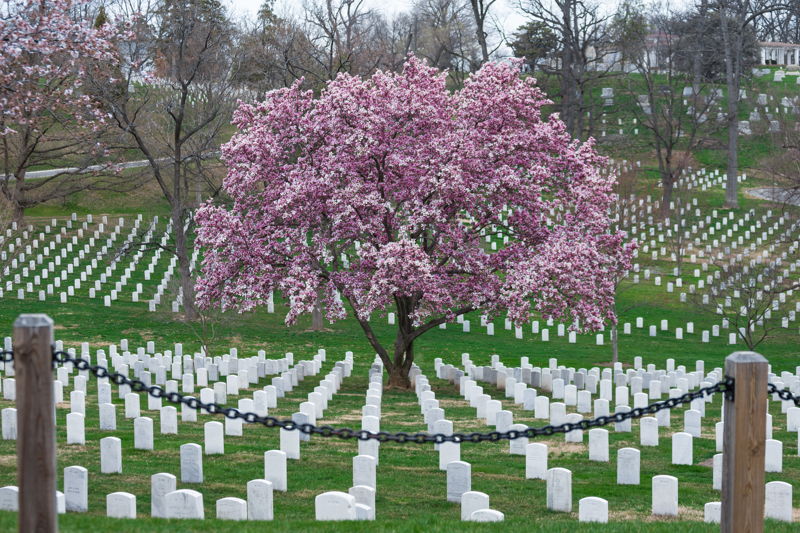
487	515
592	499
190	492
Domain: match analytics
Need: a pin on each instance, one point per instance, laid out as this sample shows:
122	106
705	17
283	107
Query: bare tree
736	18
345	36
625	214
678	240
443	32
480	11
784	166
746	296
781	26
174	97
49	119
676	123
584	45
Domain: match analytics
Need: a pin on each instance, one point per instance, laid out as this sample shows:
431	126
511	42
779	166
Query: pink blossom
43	55
378	192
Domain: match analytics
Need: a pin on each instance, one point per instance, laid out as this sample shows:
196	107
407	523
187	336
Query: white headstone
473	501
214	438
592	509
275	469
184	504
487	515
773	456
110	455
169	420
76	489
259	500
692	419
628	466
712	513
536	461
665	495
75	429
191	463
231	509
648	427
598	445
160	485
121	505
108	417
9	498
778	501
459	480
364	471
716	473
9	415
559	490
335	506
365	497
681	449
290	443
143	433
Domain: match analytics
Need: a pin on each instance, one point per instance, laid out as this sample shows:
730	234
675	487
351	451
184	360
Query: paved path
777	194
41	174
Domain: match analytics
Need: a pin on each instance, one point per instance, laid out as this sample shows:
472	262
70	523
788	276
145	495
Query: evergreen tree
101	18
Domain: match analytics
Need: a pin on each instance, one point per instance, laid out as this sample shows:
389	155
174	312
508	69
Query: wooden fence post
744	443
36	435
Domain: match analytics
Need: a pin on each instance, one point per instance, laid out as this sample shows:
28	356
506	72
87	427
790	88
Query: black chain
6	356
783	394
724	386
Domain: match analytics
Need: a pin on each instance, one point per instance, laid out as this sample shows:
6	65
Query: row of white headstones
166	500
72	276
770	224
694	179
552	379
559	480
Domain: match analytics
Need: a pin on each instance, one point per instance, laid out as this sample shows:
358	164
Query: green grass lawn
411	489
411	493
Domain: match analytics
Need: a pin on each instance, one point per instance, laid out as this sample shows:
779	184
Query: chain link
726	385
6	356
783	394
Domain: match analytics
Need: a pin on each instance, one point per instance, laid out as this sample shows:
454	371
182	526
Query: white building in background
658	48
784	54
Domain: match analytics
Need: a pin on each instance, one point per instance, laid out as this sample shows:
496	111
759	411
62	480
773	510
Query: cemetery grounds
411	489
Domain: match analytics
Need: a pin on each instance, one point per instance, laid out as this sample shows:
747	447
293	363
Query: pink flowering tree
380	192
46	117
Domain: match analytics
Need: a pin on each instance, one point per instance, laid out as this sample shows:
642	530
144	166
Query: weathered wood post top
36	437
744	443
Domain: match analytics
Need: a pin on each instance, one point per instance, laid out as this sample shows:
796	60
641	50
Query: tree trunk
19	214
479	30
567	77
316	315
187	285
398	378
696	74
403	348
614	345
579	113
198	192
733	55
731	193
14	197
667	186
